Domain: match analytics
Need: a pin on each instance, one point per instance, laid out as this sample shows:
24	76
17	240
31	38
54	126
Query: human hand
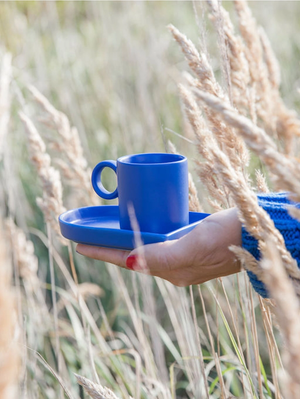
199	256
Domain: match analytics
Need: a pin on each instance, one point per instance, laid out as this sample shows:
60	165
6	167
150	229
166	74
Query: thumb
153	258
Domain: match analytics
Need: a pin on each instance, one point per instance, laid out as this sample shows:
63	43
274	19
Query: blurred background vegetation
113	69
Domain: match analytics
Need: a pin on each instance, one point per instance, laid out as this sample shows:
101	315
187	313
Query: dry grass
10	345
287	312
142	337
265	80
261	183
95	391
194	203
51	203
68	145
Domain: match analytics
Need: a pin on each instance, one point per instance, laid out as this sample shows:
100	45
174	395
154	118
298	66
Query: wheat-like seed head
206	81
287	121
256	220
261	183
239	68
271	60
23	250
209	178
198	64
284	169
247	260
51	203
194	204
257	67
204	136
265	75
75	168
220	159
95	391
287	312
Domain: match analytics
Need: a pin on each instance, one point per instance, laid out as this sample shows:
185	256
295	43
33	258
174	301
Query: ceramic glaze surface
155	185
100	225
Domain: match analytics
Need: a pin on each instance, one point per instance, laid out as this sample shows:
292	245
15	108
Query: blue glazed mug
155	184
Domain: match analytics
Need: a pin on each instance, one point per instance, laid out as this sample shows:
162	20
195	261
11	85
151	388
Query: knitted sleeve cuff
276	204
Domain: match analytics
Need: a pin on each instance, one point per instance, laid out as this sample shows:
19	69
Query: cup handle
96	180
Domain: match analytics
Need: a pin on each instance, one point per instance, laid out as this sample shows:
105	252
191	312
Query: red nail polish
131	262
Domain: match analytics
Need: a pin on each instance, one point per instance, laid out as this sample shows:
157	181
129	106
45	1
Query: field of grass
111	72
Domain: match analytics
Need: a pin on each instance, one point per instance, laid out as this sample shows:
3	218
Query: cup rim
177	158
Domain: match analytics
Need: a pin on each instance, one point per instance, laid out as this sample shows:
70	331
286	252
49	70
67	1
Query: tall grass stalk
199	347
55	315
140	336
10	341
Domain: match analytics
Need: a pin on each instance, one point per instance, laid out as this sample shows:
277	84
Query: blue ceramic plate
99	225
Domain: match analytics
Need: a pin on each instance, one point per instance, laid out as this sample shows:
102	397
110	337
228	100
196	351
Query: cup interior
151	158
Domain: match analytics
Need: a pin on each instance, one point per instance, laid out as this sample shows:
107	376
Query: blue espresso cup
155	184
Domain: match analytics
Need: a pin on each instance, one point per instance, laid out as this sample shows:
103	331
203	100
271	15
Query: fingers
116	256
151	258
156	258
199	256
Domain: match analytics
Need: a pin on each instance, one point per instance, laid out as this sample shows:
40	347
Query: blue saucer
99	225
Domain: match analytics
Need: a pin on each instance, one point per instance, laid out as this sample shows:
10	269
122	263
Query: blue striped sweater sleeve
276	205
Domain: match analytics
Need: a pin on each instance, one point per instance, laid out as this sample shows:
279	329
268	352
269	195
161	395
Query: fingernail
131	262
